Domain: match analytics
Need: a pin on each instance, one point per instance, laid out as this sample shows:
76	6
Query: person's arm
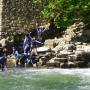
46	29
36	41
16	54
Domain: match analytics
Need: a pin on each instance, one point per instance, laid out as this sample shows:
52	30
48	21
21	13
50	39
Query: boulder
88	64
63	65
72	58
53	63
57	64
61	55
55	42
43	60
35	65
87	48
81	64
61	59
43	49
49	64
71	64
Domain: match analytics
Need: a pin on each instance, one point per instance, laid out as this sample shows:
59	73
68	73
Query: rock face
1	5
19	15
69	52
70	35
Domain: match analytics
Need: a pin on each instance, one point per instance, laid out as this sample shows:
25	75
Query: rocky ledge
67	51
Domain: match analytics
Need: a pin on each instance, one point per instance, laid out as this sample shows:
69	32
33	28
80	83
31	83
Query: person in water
15	53
3	61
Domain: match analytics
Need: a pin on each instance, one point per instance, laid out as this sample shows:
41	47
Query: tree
65	12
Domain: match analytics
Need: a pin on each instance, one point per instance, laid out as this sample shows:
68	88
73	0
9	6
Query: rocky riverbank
67	51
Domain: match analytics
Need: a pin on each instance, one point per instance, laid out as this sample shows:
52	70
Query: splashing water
45	79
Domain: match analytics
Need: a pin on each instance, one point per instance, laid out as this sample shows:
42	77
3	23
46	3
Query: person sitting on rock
15	52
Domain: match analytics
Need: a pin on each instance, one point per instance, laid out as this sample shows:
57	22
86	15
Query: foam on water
33	71
43	76
85	72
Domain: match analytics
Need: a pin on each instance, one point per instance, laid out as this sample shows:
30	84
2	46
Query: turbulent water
45	79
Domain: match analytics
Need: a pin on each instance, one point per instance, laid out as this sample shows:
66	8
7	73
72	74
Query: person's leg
14	64
30	58
3	64
23	60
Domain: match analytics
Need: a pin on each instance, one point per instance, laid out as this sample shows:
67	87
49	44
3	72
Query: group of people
30	44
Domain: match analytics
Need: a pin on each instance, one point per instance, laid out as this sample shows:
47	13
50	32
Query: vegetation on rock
66	12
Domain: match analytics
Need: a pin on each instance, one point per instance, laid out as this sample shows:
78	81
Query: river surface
45	79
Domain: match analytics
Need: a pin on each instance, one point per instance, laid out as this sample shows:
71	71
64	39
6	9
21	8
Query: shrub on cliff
65	12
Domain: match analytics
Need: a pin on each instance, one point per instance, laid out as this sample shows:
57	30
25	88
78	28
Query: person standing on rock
32	54
27	43
38	32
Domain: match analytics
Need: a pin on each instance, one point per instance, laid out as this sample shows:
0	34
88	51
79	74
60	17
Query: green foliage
65	12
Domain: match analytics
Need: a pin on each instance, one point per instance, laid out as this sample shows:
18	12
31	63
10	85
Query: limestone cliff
20	15
72	49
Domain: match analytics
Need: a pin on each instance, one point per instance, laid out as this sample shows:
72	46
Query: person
32	53
15	53
27	43
38	32
3	61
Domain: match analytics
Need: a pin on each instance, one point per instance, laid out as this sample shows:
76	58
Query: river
45	79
